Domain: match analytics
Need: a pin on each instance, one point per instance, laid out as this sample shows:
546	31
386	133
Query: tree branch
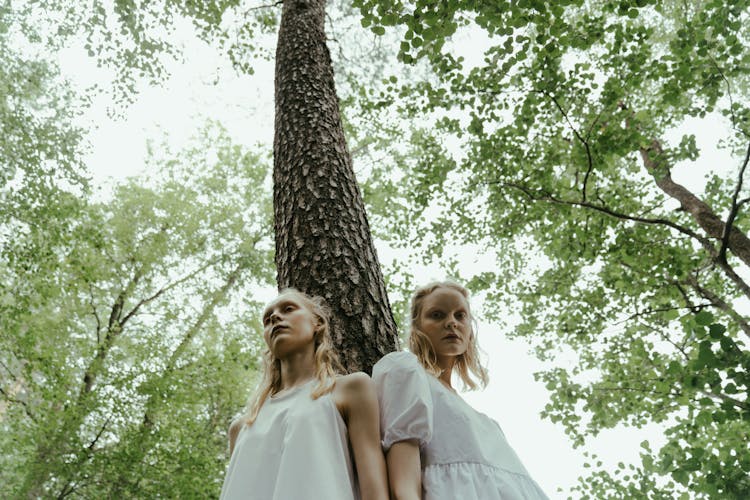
649	311
734	210
11	399
266	6
654	161
665	337
96	315
732	275
705	243
685	296
633	389
548	197
218	296
117	322
151	402
580	138
719	303
91	445
728	399
166	288
729	94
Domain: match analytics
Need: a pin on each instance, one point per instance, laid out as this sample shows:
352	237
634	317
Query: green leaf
704	318
728	345
716	330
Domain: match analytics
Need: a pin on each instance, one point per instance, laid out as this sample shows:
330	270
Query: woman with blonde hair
296	438
437	446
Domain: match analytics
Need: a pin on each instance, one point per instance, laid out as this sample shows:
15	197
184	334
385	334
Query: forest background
580	165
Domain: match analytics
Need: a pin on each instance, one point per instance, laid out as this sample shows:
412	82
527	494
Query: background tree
575	124
125	381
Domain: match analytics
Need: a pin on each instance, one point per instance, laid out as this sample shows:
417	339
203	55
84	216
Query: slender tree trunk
323	241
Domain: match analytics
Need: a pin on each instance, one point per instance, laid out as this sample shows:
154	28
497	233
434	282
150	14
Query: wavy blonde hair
326	359
468	365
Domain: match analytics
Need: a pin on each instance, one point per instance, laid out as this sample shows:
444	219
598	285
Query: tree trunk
323	242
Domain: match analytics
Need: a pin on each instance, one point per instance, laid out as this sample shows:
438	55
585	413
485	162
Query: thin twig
734	210
166	288
719	303
729	94
685	296
705	243
648	312
91	445
580	138
266	6
664	337
605	210
23	403
96	315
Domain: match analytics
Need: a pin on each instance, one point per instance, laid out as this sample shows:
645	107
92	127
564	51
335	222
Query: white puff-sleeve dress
464	453
297	448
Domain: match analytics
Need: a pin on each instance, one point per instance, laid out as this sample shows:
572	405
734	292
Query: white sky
204	87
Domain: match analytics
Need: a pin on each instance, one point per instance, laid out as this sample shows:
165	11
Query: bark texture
323	241
711	223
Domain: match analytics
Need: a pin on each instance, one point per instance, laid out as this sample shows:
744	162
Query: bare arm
234	431
405	470
358	403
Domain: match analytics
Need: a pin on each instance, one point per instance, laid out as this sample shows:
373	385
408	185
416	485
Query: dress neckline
454	393
288	392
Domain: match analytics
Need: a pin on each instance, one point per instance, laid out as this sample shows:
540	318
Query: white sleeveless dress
464	453
297	448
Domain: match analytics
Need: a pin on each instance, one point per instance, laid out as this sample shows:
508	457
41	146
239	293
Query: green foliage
136	39
551	128
126	353
536	147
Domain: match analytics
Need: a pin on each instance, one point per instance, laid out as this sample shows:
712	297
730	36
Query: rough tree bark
323	241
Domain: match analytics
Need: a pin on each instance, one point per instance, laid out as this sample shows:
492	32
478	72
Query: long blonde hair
326	359
468	365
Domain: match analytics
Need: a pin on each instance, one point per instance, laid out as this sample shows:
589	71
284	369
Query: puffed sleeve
404	397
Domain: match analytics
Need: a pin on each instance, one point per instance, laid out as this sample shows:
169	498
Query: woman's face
288	325
446	321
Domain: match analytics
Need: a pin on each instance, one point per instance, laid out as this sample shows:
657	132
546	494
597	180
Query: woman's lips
276	329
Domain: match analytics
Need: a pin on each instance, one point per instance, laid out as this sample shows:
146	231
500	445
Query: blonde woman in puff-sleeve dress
437	446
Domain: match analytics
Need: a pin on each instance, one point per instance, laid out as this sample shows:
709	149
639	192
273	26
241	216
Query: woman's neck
446	364
296	369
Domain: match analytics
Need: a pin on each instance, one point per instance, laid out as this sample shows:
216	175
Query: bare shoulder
234	430
352	390
357	381
236	426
